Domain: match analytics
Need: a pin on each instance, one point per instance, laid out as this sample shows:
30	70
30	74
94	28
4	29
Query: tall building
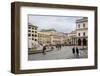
32	36
82	31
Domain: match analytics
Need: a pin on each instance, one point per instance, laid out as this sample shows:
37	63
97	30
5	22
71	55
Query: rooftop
48	30
30	24
84	19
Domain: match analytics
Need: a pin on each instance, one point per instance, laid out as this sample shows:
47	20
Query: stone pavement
64	53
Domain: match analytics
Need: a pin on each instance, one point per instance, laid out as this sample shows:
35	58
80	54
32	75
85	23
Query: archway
84	42
79	42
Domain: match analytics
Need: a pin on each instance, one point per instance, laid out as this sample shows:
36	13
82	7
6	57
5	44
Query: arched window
79	41
84	42
78	25
32	38
83	33
32	34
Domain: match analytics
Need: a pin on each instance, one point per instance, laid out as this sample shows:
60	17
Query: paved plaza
64	53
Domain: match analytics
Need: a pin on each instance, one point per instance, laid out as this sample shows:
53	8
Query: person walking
44	50
52	48
60	46
77	52
73	51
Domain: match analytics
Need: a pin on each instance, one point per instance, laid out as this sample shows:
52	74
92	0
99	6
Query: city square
46	42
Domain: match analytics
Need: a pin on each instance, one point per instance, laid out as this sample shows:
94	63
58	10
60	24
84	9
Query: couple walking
58	46
75	51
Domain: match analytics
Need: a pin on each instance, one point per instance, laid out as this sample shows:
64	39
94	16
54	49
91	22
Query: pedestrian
57	46
73	50
60	46
52	48
44	50
77	51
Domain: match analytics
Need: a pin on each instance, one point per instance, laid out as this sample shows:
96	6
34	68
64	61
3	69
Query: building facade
44	38
51	37
32	36
82	31
72	38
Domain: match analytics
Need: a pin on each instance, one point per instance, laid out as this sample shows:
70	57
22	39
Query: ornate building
82	31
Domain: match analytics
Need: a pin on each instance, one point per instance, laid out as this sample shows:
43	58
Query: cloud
59	23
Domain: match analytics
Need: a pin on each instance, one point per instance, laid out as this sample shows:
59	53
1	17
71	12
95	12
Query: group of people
75	51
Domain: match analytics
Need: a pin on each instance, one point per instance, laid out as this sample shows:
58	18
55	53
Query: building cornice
82	29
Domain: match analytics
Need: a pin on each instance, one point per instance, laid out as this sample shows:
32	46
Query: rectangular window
78	34
84	34
83	25
29	34
29	27
32	34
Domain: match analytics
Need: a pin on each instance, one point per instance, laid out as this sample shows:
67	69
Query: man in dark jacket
44	50
77	51
73	50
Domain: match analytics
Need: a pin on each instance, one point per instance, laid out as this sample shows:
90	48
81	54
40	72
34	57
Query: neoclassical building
82	31
80	35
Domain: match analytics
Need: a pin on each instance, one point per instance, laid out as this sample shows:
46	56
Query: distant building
82	31
43	38
63	37
55	38
52	36
32	35
72	38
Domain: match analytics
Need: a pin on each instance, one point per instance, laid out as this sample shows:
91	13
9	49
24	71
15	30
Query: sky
63	24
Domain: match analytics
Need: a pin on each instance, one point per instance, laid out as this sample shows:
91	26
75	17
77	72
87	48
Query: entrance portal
84	42
79	42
